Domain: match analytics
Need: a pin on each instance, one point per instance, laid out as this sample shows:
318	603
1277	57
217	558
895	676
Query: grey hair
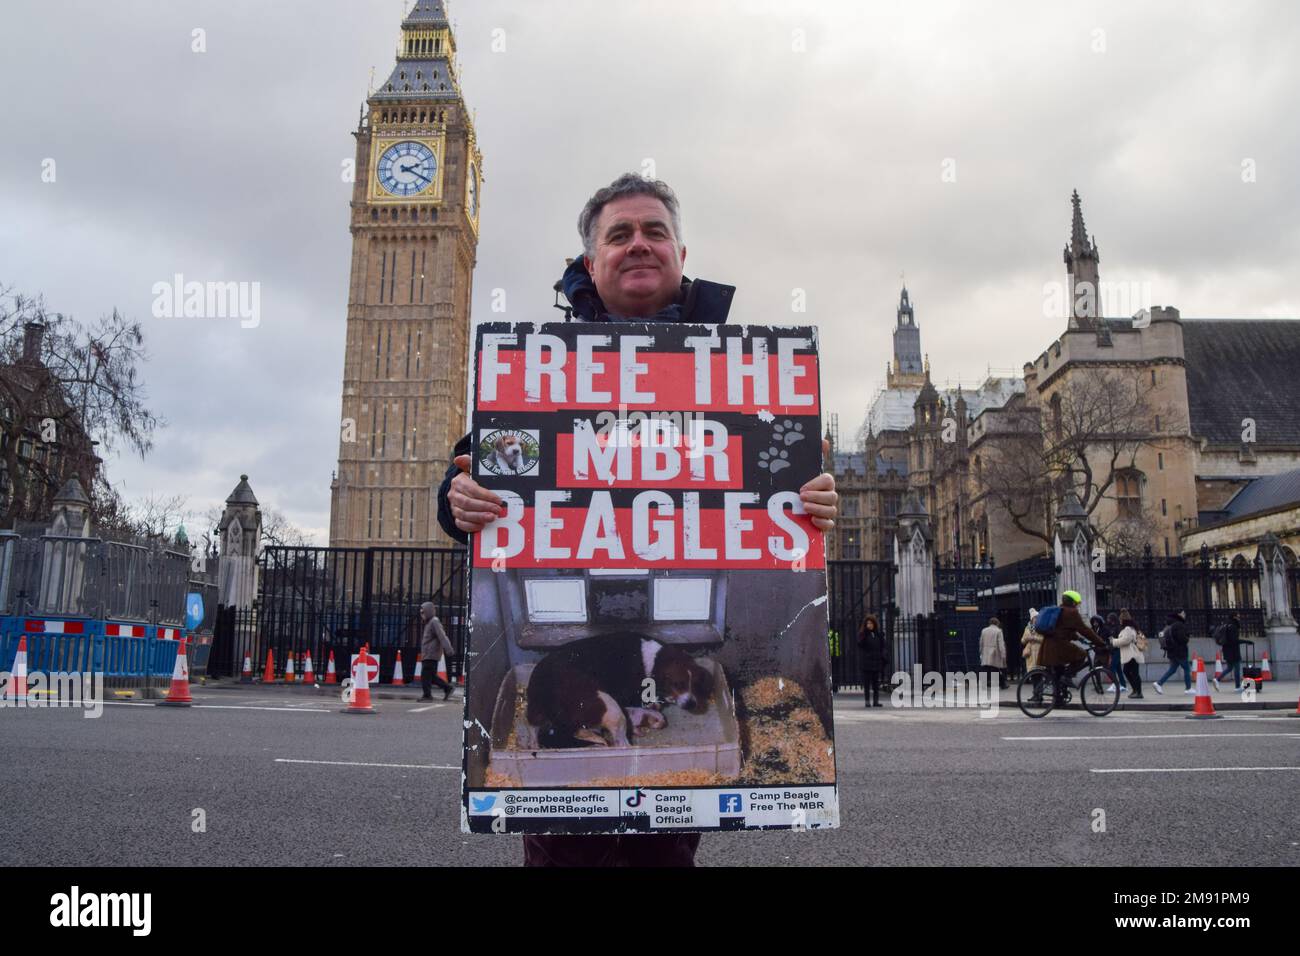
629	184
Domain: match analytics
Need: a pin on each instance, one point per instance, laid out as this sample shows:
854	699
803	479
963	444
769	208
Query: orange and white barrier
331	676
247	676
308	675
397	671
419	668
1218	665
288	670
1265	670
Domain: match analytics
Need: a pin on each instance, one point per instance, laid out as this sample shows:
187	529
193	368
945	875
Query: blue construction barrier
117	649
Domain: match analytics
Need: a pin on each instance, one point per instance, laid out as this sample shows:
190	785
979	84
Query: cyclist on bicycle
1059	653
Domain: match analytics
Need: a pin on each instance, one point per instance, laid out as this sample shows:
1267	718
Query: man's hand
819	497
472	505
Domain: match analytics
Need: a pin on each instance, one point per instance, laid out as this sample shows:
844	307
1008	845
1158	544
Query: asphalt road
278	776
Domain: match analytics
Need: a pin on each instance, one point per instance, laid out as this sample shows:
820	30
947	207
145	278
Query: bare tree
1082	439
278	530
66	388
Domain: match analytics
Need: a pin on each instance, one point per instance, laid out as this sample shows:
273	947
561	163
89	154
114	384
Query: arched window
1128	492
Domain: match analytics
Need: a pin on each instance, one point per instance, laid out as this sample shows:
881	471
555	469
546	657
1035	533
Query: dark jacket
873	652
1231	642
1058	647
699	300
1177	639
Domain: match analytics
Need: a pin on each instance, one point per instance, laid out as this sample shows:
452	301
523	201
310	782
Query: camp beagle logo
513	452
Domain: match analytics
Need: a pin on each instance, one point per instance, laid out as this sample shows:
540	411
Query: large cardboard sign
647	647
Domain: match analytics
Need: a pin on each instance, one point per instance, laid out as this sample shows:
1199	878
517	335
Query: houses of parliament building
1227	388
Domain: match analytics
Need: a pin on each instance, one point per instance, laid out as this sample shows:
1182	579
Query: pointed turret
1081	259
907	345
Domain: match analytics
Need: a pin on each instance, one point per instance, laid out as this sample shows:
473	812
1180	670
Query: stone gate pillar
914	558
241	535
63	561
1072	543
1281	640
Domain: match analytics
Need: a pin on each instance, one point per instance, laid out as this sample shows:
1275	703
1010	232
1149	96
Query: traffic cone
1218	665
179	695
330	676
360	686
1204	707
308	675
18	680
419	668
397	670
247	676
1265	671
288	669
442	667
268	675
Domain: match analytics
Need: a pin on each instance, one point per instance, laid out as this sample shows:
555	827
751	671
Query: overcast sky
822	146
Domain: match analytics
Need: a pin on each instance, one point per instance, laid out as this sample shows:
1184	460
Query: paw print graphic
774	459
788	432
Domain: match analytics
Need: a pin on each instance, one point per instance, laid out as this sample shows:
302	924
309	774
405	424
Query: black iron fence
854	590
1206	588
317	600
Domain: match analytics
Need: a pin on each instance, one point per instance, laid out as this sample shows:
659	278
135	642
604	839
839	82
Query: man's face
638	267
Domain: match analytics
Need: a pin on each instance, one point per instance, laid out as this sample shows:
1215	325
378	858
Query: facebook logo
728	803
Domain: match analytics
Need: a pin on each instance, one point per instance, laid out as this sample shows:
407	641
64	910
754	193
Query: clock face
406	169
473	192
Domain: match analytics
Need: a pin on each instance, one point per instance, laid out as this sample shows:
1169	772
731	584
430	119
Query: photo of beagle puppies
592	692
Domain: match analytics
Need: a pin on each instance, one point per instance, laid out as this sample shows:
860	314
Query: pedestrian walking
1031	642
1114	663
1228	636
993	651
1173	641
874	657
1129	644
434	644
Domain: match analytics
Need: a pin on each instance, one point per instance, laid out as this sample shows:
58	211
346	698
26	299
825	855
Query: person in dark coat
630	270
1059	650
874	658
1176	641
1231	651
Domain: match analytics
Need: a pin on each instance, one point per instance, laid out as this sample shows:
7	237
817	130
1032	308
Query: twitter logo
482	804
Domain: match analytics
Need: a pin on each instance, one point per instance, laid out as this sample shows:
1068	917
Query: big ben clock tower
415	214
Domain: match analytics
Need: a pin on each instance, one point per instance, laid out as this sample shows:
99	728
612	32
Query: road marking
1150	736
1190	769
351	763
291	710
420	710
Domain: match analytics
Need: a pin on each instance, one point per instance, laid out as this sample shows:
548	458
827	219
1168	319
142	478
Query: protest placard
648	615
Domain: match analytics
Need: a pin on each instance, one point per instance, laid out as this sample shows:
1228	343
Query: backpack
1166	644
1220	634
1047	620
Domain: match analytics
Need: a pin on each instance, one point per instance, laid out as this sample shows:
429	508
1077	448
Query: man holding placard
631	271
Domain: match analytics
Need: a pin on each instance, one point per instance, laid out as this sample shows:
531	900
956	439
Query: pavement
1269	695
260	775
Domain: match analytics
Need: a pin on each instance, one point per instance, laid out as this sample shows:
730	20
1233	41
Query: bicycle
1041	690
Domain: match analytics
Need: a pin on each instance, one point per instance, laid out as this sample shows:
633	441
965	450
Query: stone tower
1081	258
414	224
906	370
